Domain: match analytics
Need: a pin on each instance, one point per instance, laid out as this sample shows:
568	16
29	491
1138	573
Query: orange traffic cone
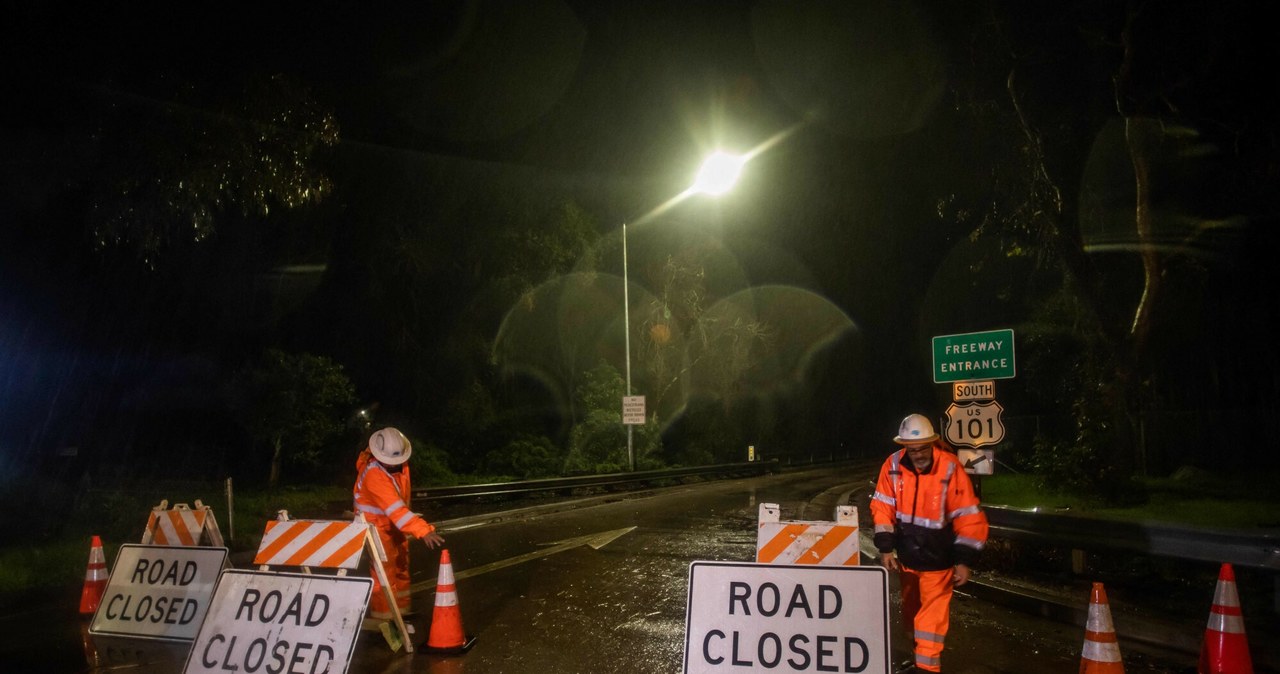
95	579
1101	653
446	620
1225	649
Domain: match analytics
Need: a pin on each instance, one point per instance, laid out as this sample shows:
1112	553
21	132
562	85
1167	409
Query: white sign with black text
633	410
280	622
963	391
158	591
745	617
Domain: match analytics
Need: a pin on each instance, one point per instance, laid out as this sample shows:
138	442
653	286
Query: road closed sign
158	591
280	622
745	617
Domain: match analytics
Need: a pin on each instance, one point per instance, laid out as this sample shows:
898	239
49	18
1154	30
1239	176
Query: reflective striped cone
1101	654
1225	649
95	579
446	634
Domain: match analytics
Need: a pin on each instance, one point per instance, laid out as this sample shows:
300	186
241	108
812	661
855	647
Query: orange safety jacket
932	519
383	497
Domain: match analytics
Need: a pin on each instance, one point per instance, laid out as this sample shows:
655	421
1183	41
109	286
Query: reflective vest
932	519
383	497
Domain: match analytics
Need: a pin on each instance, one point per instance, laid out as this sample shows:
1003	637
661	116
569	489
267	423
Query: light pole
718	174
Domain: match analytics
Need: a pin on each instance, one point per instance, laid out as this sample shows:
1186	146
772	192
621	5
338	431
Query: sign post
971	362
786	618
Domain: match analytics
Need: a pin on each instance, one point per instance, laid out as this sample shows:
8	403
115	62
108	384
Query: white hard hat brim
915	441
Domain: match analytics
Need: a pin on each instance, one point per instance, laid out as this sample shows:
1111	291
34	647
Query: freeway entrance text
973	355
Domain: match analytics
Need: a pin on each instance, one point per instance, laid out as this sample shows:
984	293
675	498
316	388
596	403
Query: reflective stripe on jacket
383	497
932	519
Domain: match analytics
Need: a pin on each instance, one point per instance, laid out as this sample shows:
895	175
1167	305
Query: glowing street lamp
718	174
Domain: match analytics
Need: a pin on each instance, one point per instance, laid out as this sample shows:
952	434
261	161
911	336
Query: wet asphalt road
534	606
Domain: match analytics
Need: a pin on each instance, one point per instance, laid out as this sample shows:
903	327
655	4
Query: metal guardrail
604	480
1182	542
1085	533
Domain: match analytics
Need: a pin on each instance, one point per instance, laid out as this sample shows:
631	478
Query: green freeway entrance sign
973	355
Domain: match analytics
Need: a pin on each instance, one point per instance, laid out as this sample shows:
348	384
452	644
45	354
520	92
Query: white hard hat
390	446
915	429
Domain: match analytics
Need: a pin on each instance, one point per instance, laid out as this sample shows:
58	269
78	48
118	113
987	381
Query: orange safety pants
926	613
396	545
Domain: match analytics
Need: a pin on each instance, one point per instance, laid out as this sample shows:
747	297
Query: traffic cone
95	579
1225	649
1101	654
446	619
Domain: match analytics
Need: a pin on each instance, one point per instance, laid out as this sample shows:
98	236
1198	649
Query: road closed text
786	618
825	652
280	623
158	592
268	653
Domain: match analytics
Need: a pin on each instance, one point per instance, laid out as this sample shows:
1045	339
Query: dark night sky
613	102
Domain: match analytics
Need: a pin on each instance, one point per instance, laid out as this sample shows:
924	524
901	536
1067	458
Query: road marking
596	540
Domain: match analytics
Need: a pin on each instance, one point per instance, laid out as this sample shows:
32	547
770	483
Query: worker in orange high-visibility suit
382	495
926	511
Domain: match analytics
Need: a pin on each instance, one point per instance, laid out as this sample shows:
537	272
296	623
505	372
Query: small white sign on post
964	391
280	622
158	591
633	410
977	461
745	617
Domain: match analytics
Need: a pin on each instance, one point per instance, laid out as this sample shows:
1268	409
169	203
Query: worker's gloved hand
962	574
433	540
889	561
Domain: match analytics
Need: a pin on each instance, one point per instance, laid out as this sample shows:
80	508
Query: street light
718	174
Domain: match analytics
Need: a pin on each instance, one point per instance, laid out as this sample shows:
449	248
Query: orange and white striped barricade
328	544
182	526
821	543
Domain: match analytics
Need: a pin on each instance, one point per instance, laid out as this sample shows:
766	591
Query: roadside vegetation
1188	497
53	550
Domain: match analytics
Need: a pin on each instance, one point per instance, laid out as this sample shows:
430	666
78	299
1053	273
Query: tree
293	403
1114	248
169	175
679	334
598	442
523	257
